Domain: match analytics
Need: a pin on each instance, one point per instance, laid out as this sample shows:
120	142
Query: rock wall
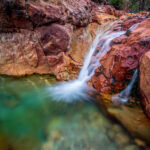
118	65
35	34
53	37
128	52
145	81
48	36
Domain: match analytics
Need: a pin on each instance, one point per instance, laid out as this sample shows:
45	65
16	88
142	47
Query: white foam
75	90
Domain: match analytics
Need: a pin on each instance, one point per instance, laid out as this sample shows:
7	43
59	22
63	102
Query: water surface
32	120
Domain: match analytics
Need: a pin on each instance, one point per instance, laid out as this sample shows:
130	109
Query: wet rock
121	139
81	41
131	147
145	81
118	65
120	40
102	18
134	120
127	24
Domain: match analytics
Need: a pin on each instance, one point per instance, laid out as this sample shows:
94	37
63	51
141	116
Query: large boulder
54	38
145	80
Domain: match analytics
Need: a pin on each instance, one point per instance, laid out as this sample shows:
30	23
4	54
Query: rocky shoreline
53	37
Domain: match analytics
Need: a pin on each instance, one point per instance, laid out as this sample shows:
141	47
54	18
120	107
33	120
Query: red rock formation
44	13
145	80
127	24
36	35
22	14
54	38
111	10
124	55
13	16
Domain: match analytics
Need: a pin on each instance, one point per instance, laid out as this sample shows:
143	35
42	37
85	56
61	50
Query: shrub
116	3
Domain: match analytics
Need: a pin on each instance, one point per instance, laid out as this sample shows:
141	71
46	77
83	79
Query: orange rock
128	23
81	41
119	63
145	81
37	35
21	54
103	17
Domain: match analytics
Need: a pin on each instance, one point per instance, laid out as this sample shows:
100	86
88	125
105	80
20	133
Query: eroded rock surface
145	80
47	36
53	37
21	53
118	65
35	35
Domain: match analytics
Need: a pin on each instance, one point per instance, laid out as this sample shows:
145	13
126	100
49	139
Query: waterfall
124	95
107	36
88	70
78	89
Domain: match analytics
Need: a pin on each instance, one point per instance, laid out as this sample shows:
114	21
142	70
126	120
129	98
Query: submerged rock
134	121
131	116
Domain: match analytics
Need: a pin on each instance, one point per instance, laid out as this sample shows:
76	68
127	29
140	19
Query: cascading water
123	97
88	70
77	89
134	27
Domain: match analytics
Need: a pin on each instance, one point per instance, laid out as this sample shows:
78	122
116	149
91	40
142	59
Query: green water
31	120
